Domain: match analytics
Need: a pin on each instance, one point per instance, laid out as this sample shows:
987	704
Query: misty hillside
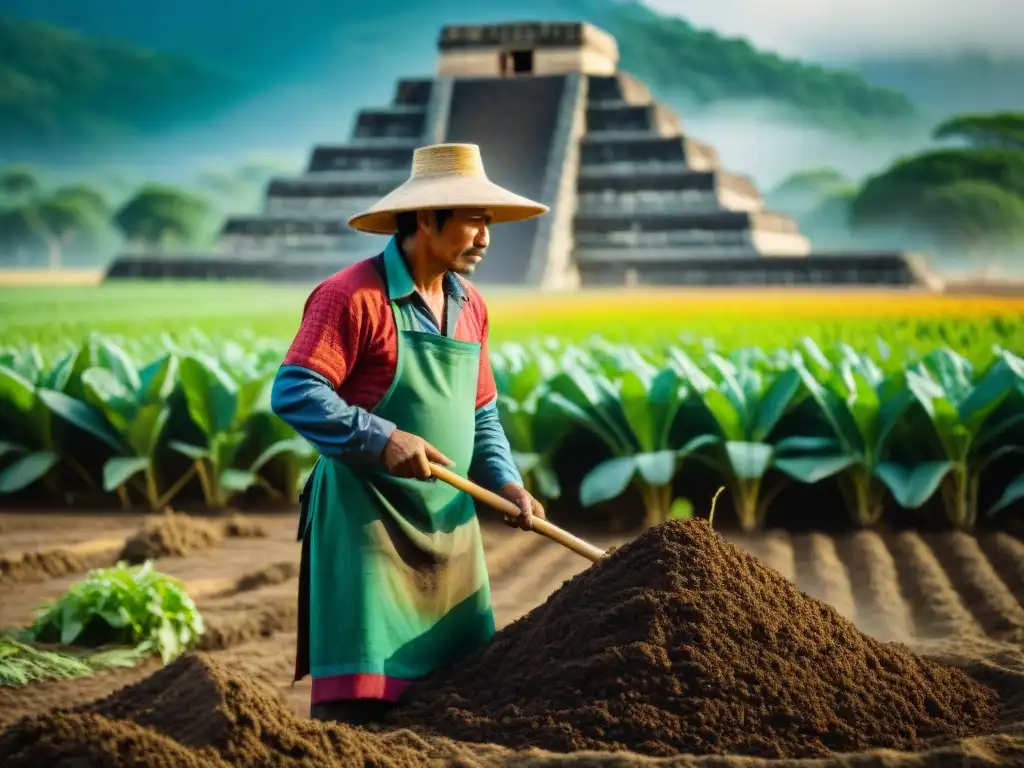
945	85
57	87
315	45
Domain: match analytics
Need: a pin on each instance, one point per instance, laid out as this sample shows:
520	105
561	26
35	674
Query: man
387	373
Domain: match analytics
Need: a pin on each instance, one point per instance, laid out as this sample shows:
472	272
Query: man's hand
407	455
530	508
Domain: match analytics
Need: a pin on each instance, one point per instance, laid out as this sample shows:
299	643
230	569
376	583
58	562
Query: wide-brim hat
446	176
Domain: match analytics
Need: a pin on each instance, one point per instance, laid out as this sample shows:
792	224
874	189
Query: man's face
462	241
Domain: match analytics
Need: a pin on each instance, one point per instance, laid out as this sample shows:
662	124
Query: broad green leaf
211	395
7	447
120	469
749	461
145	432
813	469
516	421
865	407
729	421
835	410
546	479
26	470
17	396
158	379
59	375
799	444
237	480
104	391
82	415
913	486
525	462
116	360
657	468
582	418
775	403
607	480
194	452
699	381
634	399
667	393
296	446
253	397
1013	493
70	630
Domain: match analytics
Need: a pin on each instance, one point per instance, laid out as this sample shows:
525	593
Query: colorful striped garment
339	366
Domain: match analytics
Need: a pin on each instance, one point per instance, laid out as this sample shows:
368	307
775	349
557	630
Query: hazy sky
835	29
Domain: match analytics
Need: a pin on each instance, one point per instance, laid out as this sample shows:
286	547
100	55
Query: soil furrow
62	560
821	573
246	616
881	609
986	596
519	546
1006	554
537	578
935	603
775	549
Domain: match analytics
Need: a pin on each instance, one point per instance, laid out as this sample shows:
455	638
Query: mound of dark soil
171	535
683	642
194	713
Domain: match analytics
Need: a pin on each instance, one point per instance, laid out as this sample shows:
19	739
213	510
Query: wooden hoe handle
506	507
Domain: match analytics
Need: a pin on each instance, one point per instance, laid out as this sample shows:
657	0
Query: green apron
397	583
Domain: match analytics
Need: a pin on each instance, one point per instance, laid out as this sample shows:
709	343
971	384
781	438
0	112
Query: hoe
506	507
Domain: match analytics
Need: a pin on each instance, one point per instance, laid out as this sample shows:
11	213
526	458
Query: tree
894	196
18	183
19	233
88	198
1002	130
975	218
159	215
62	220
48	225
803	191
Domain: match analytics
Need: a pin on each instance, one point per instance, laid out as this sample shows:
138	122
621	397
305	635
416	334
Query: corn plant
968	422
633	417
135	404
36	421
221	408
860	408
734	419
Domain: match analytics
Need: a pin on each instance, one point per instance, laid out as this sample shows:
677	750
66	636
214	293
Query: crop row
194	416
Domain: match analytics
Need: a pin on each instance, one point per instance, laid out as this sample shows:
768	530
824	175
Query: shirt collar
400	285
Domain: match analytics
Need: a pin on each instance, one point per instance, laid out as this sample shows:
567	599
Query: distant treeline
964	202
60	86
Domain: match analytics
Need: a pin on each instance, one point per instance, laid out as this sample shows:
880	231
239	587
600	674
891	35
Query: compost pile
192	714
683	642
171	535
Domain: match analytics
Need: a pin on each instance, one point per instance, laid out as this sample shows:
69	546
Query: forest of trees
58	88
73	83
74	225
964	202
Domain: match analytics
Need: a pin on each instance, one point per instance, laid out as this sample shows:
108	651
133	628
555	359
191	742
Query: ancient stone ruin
633	198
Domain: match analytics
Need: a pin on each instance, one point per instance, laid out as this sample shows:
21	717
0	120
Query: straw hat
446	176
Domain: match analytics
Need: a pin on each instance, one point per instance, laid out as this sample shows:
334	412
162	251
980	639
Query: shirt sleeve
304	394
310	405
492	464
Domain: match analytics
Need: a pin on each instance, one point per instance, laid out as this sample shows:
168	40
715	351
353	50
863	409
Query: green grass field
53	317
